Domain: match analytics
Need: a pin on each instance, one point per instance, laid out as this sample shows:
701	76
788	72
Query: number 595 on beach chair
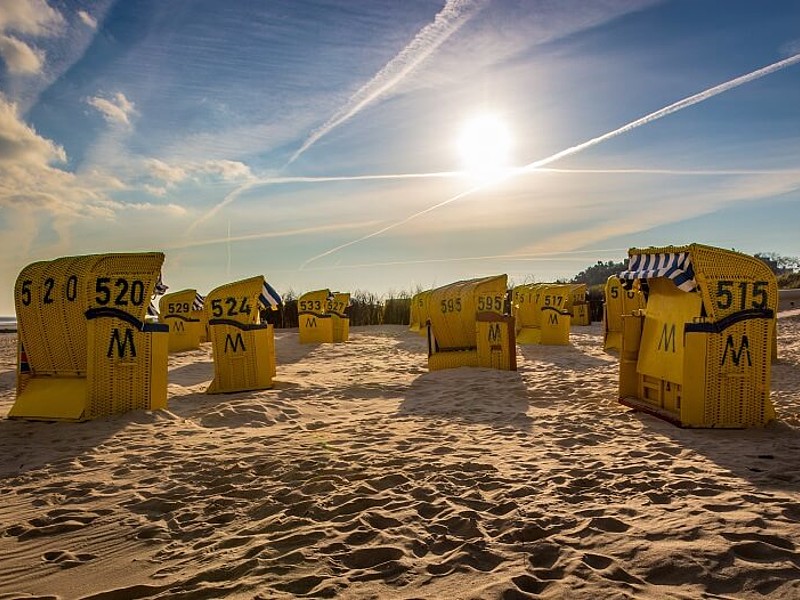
85	348
468	327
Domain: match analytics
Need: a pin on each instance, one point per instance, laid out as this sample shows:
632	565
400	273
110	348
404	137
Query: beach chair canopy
676	266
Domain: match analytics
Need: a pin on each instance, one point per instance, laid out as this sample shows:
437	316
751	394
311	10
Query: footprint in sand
65	559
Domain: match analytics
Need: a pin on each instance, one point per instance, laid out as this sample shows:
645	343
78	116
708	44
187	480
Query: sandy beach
362	475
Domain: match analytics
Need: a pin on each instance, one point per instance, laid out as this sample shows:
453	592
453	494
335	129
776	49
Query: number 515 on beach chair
699	354
243	346
85	348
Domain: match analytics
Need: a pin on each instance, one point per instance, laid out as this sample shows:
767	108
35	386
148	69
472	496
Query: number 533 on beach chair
315	320
85	349
243	346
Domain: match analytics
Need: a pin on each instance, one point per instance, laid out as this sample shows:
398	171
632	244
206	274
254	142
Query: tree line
367	308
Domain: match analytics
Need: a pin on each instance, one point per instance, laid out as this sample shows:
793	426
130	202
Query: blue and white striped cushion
674	265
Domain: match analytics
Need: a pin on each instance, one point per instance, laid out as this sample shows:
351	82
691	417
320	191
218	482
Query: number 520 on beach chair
85	348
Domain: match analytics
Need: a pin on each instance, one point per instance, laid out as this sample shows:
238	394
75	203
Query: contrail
449	20
567	255
446	22
649	118
265	181
225	201
271	234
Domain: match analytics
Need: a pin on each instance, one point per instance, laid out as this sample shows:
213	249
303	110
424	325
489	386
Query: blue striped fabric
199	302
160	288
269	297
674	265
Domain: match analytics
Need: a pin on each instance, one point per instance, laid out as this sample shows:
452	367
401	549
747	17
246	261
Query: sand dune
362	475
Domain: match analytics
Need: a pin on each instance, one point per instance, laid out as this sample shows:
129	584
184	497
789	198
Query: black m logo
736	355
121	343
234	343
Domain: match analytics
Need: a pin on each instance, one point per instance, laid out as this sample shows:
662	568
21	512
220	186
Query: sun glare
484	145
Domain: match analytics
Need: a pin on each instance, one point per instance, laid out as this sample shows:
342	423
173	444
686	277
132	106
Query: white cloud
87	19
19	57
161	171
30	179
228	170
31	17
20	145
115	110
27	17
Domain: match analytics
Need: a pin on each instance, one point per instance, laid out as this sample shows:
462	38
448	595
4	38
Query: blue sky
317	143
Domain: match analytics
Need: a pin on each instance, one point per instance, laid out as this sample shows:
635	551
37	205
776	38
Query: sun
484	145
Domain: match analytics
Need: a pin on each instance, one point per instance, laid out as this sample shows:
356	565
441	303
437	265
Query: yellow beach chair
468	327
186	327
243	346
86	349
699	354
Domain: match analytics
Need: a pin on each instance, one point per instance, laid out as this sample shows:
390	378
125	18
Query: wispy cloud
536	165
161	176
20	58
449	20
116	110
87	19
31	18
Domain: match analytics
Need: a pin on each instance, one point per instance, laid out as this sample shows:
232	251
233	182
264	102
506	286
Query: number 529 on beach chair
85	348
243	346
186	327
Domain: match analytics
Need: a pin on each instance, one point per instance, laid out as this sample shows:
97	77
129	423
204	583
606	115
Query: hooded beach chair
541	313
618	301
315	322
468	327
186	327
86	349
243	346
699	354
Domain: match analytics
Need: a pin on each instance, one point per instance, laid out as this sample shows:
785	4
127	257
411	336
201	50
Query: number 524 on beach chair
243	346
85	348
